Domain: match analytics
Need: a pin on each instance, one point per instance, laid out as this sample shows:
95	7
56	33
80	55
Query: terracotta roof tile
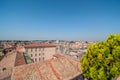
46	71
39	45
20	60
64	67
54	71
20	49
9	47
59	68
8	63
26	72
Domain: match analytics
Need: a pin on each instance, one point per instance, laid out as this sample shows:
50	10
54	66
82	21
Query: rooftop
9	61
20	60
39	45
59	68
6	65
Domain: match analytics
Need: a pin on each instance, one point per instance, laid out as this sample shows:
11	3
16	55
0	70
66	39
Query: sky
59	19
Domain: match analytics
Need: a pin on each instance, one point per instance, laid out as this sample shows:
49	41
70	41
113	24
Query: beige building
40	52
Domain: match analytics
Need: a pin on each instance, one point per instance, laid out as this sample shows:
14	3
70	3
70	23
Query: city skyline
59	19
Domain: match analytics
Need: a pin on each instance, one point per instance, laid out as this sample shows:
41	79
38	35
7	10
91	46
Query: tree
102	60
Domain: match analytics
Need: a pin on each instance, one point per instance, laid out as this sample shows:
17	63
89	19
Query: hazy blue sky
59	19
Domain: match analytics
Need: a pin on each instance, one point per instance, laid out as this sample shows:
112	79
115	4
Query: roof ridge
54	71
15	59
67	56
72	64
39	72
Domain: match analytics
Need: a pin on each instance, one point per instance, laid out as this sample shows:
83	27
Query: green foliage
102	60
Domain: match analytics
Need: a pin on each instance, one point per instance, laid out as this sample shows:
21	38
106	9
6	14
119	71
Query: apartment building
40	52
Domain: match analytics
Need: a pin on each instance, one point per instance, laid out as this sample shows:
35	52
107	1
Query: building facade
40	52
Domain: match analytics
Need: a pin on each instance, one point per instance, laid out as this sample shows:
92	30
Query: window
43	53
35	49
43	58
31	55
35	59
4	69
31	49
39	49
39	59
35	54
32	60
39	54
42	49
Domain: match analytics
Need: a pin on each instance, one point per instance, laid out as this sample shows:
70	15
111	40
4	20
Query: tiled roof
20	49
9	47
39	45
59	68
20	60
8	63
